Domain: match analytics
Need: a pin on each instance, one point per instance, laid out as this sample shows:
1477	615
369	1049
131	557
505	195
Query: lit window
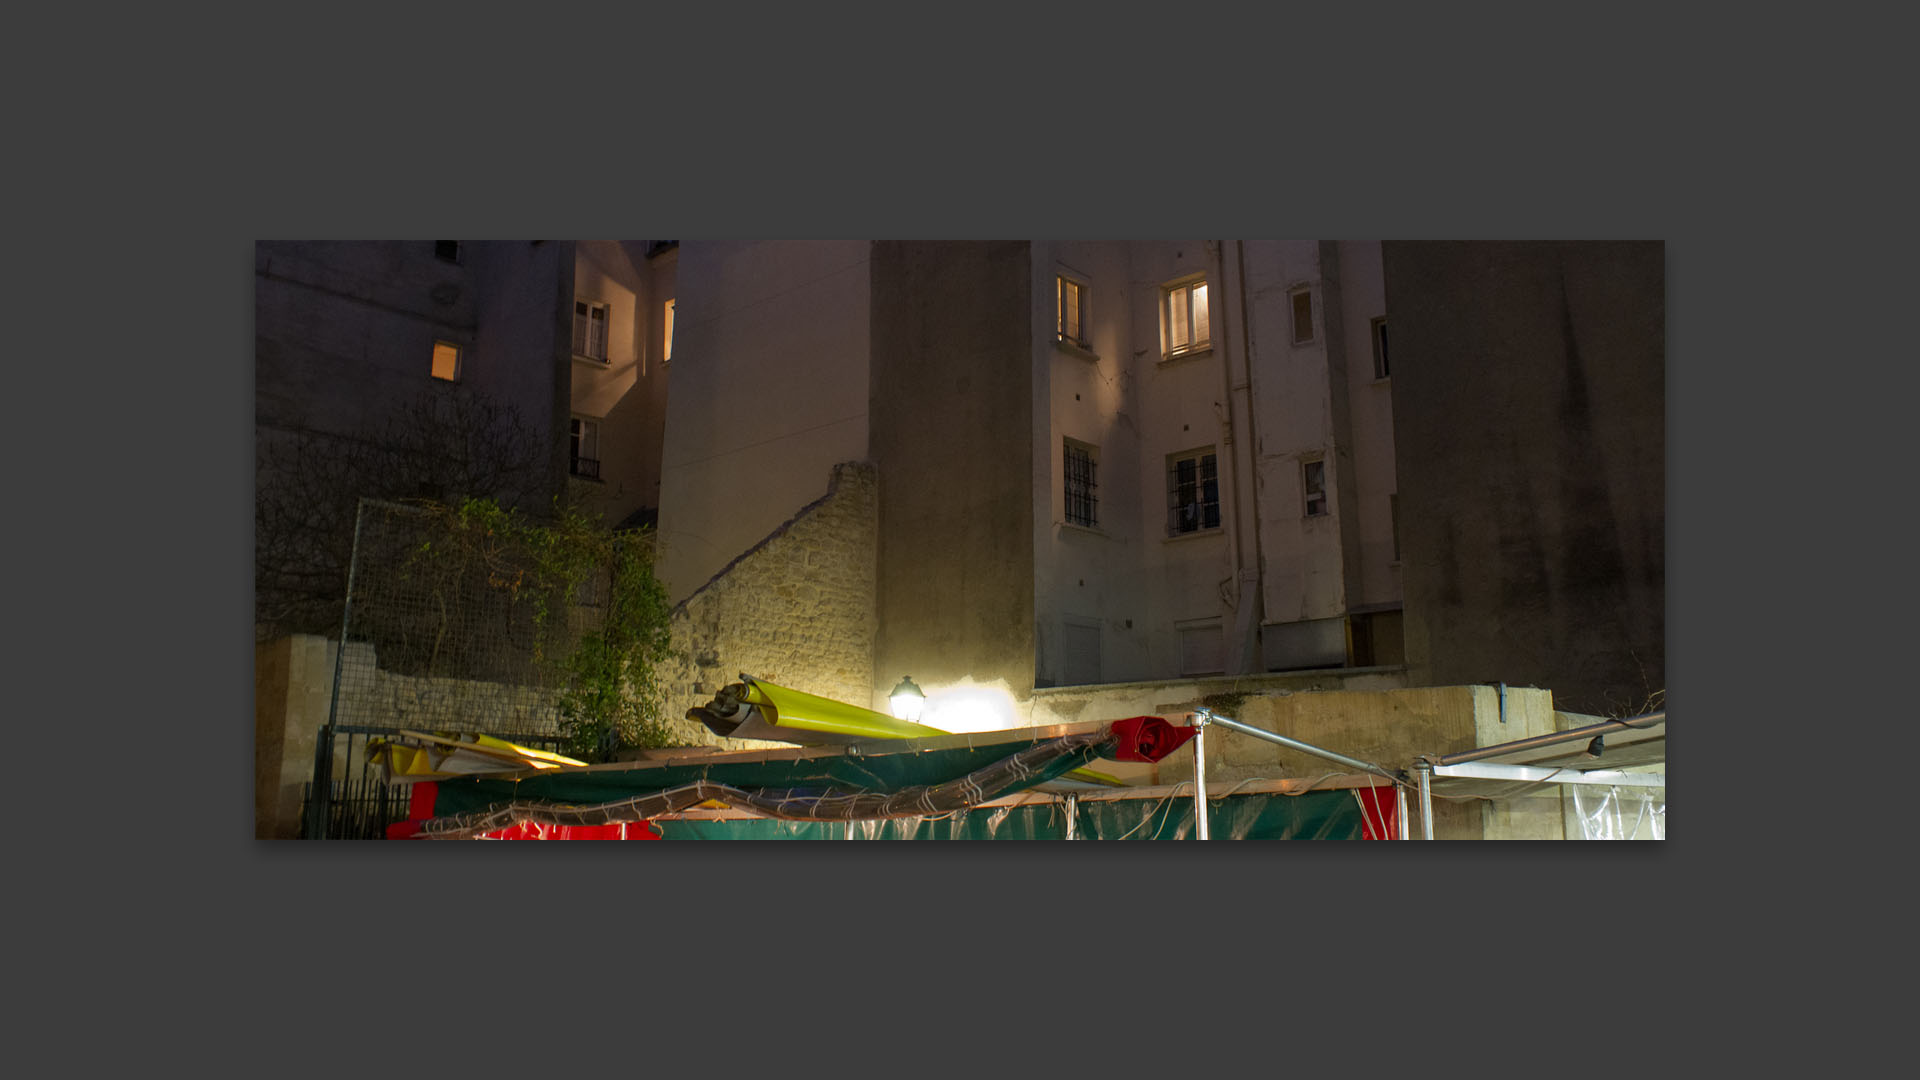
1183	319
1081	502
666	346
583	450
1302	317
590	329
1193	493
1380	347
1314	479
446	360
447	250
1070	311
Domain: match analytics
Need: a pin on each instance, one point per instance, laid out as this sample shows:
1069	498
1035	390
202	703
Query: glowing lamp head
908	700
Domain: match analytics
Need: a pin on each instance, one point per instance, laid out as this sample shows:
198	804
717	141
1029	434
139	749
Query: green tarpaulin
1318	815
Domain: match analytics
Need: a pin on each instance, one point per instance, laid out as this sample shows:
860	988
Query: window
1313	476
1070	311
1080	665
1082	505
1202	648
447	250
1302	317
1380	347
1193	493
446	360
590	329
666	347
583	448
1183	319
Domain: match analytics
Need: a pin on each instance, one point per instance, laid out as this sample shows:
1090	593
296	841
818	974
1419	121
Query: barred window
583	448
1193	492
1082	503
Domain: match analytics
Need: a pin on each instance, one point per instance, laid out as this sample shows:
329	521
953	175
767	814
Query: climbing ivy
607	671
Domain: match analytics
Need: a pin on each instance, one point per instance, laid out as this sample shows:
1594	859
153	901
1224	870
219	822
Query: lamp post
907	700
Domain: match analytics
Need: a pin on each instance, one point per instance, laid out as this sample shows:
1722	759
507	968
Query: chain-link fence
454	627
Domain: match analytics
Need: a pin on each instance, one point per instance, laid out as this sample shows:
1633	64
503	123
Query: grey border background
311	125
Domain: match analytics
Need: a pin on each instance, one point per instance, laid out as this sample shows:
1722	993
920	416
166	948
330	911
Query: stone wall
796	610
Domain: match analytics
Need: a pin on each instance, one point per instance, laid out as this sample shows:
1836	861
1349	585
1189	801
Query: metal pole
1305	748
1400	799
1073	803
1199	721
317	812
1425	772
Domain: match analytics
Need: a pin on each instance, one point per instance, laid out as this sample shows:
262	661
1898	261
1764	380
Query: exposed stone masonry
797	609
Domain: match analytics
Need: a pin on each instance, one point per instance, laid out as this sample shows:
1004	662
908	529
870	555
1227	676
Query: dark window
1082	505
583	450
1314	476
1380	348
447	250
1193	493
1302	317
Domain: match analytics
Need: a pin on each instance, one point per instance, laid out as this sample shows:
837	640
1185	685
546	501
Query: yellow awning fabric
418	755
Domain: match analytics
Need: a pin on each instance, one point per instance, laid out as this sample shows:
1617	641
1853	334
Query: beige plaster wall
292	678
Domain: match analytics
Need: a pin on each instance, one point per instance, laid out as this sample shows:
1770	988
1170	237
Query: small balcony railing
585	467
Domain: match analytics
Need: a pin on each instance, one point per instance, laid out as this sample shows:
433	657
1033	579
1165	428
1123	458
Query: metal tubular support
1400	802
1295	744
1425	772
1200	720
1073	805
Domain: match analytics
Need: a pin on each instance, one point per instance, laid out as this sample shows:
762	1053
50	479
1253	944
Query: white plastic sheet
1614	813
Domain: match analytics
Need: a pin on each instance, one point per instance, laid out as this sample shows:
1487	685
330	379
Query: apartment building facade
1098	462
522	370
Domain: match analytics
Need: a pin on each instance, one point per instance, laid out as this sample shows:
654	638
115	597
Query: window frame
1176	506
1212	626
1381	370
1083	294
583	329
583	432
459	360
1308	494
1294	296
1088	498
1184	289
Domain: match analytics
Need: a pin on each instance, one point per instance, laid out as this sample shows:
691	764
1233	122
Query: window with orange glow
1184	319
666	348
446	361
1070	310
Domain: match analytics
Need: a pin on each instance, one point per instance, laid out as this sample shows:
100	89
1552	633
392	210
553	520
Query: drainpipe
1253	454
1245	582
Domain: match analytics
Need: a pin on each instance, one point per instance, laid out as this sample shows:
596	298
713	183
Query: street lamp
907	700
